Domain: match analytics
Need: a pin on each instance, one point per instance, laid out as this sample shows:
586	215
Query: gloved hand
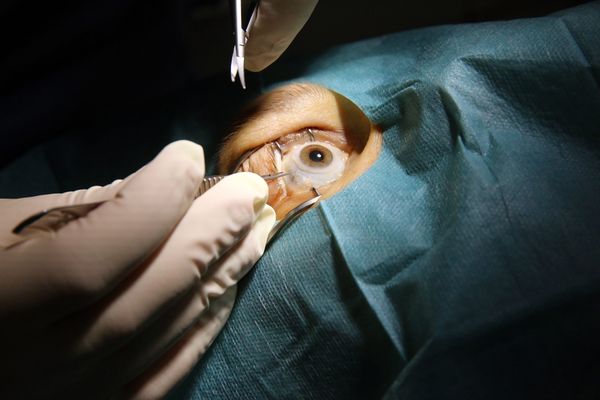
276	25
122	302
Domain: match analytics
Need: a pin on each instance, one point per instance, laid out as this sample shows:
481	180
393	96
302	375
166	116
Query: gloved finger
277	24
164	375
175	320
216	222
14	211
159	374
48	277
133	355
146	348
228	270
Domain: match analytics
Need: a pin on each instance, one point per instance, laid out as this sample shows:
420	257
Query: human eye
311	161
311	158
318	138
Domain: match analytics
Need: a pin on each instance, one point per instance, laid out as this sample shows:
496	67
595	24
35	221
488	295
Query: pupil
316	156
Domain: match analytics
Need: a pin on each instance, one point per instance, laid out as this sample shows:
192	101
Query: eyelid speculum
309	160
292	154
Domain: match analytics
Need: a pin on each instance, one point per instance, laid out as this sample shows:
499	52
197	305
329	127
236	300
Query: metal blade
241	71
294	214
234	66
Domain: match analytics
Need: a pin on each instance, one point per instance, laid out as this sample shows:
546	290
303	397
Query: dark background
209	40
78	77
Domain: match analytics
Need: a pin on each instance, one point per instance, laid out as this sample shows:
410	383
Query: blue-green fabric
466	263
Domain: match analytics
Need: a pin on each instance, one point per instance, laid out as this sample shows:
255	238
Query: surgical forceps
296	211
53	219
241	37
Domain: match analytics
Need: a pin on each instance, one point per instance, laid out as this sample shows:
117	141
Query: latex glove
276	25
123	301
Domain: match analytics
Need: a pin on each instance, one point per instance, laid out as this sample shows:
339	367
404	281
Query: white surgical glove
122	302
276	25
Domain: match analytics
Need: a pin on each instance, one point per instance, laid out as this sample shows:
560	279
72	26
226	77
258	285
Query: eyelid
334	138
340	143
269	128
293	109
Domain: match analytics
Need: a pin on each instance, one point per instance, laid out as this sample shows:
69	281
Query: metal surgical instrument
53	219
294	213
289	217
211	181
241	37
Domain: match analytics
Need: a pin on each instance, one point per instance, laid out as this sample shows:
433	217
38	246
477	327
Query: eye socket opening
319	134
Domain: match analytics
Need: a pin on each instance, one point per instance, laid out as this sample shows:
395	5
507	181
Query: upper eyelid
334	137
254	128
285	101
275	142
306	131
311	135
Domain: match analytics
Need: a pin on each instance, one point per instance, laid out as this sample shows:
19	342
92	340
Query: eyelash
309	132
293	153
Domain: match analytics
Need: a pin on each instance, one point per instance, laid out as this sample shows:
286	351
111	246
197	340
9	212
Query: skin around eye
309	163
320	137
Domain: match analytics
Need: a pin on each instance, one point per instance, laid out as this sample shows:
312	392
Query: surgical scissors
241	37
